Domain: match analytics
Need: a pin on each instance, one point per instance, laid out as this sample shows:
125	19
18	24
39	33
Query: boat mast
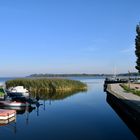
114	72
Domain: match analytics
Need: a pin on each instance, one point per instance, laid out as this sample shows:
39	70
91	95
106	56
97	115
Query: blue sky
67	36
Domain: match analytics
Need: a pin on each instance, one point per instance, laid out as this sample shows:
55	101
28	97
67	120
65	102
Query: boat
17	97
19	109
7	121
14	103
7	114
17	91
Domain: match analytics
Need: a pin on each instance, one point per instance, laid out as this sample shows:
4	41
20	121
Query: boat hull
7	114
13	104
13	94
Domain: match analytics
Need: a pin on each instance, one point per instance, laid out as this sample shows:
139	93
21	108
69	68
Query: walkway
130	99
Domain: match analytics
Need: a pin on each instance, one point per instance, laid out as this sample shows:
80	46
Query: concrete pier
128	102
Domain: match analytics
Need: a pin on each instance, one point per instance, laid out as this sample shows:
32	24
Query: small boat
19	109
14	103
7	121
7	114
17	91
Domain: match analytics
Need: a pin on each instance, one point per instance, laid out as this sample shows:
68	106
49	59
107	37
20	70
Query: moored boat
7	121
14	103
19	109
7	114
17	91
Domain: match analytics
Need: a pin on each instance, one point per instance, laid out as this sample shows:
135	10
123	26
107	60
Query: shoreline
130	101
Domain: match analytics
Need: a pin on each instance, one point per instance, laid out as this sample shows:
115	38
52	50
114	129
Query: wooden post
129	79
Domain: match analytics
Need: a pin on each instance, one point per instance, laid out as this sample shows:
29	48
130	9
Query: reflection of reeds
55	95
46	86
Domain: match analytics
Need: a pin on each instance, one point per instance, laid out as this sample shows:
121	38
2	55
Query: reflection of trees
54	95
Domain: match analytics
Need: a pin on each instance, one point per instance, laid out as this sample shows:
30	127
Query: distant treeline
83	75
47	85
68	75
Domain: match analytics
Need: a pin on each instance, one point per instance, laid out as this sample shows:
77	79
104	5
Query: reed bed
47	85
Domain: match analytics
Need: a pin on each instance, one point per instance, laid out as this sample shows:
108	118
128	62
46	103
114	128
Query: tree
137	45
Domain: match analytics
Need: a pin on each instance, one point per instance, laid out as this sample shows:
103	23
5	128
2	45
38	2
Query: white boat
14	104
18	90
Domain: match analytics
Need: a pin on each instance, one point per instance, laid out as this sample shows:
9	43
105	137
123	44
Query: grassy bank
128	89
48	85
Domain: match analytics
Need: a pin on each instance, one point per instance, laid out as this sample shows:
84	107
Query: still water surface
82	116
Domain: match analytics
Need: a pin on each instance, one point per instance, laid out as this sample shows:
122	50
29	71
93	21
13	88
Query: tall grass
130	90
47	85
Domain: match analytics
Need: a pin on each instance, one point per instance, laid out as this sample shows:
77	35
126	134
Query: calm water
82	116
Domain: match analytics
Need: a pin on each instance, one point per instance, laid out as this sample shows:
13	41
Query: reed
47	85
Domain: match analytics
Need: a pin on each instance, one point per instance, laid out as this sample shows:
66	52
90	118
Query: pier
121	110
114	80
128	102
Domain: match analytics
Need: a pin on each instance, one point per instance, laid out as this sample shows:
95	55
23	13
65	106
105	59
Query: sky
67	36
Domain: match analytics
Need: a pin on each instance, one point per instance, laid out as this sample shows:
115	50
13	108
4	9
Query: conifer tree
137	45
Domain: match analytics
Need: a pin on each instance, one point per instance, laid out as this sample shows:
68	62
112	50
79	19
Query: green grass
45	86
130	90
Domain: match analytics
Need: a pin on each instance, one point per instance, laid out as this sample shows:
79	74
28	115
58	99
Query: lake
81	116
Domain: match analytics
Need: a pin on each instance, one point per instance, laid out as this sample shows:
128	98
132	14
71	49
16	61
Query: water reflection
10	125
27	110
125	114
83	116
11	122
54	95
